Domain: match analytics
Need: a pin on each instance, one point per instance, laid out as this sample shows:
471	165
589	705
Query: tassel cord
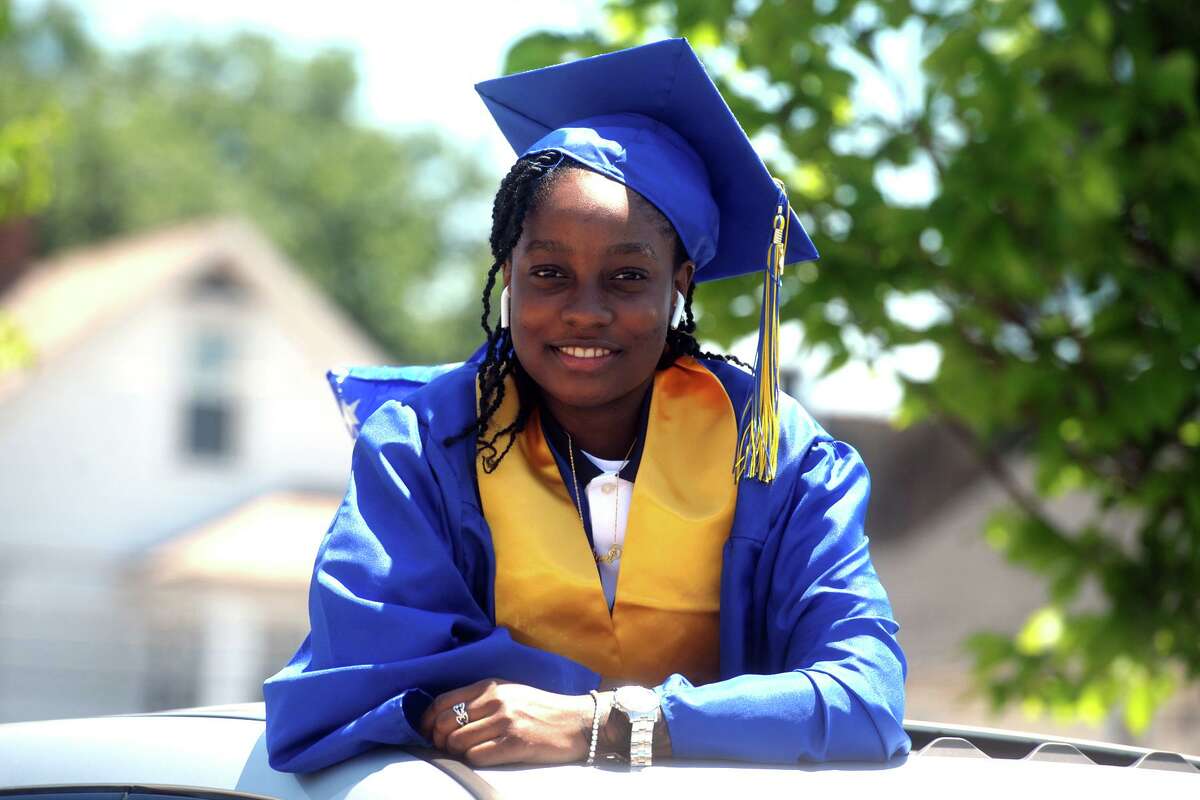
758	446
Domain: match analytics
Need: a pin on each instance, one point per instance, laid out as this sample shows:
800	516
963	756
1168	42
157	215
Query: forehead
586	197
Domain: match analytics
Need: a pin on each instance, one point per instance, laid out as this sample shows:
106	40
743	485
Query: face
592	284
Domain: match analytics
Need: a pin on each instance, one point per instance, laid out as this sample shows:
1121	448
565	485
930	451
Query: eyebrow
622	249
549	245
632	248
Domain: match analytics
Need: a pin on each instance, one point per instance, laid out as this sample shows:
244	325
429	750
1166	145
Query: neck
604	431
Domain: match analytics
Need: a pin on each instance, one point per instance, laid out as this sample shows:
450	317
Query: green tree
1051	238
24	189
176	130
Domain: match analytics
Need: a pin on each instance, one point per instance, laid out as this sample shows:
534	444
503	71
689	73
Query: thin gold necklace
614	553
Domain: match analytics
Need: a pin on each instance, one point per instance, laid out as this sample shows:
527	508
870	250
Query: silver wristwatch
641	706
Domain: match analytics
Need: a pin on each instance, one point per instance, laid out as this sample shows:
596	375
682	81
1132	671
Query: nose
587	308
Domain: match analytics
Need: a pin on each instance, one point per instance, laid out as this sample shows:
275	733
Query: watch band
642	707
641	742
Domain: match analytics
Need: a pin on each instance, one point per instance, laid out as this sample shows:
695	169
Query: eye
546	271
630	274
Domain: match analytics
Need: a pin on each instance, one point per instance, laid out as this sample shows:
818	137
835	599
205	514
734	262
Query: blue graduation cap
650	117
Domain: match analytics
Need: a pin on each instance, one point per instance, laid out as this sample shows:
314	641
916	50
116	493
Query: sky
418	63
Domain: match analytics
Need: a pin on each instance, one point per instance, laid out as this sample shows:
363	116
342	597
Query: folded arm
394	619
829	629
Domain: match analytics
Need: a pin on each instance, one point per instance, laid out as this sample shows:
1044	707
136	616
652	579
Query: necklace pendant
612	556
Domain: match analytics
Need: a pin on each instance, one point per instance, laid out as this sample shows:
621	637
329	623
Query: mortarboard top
651	118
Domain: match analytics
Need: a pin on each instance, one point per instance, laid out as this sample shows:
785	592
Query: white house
178	376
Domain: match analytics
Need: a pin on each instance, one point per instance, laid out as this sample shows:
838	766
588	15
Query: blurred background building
170	464
213	208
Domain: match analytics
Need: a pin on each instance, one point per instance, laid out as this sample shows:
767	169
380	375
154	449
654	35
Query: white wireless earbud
677	311
505	311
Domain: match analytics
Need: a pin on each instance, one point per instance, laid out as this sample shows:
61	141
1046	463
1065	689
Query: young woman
593	503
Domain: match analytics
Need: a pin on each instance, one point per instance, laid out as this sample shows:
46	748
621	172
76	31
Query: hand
510	723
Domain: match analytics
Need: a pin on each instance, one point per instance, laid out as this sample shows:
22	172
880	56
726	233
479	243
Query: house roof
63	300
268	541
915	471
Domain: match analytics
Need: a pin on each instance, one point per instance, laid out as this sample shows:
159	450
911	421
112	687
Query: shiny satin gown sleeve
399	607
804	606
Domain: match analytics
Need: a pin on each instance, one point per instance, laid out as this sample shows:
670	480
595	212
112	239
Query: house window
210	427
209	410
212	354
217	282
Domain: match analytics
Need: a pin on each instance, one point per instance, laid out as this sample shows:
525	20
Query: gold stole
665	618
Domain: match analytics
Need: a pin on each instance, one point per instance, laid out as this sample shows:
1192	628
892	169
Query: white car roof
210	753
222	749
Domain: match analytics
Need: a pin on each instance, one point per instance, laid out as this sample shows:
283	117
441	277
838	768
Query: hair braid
517	193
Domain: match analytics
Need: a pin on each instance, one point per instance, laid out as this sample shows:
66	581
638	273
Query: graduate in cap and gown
592	537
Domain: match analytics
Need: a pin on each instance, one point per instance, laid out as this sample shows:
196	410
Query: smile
585	352
584	360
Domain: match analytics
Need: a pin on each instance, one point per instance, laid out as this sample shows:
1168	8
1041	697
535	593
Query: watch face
637	699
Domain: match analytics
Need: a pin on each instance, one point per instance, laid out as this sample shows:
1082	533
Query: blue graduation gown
402	608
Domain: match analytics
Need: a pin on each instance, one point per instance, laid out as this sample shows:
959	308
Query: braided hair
525	186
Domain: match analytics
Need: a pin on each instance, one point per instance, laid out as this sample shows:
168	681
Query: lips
585	352
584	356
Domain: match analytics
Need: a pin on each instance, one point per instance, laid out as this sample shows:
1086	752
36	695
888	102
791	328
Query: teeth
585	352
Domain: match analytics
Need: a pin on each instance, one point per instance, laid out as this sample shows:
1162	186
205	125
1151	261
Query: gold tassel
758	448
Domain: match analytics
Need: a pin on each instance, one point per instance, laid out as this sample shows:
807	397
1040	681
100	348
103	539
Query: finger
441	704
460	740
444	702
447	723
492	753
433	718
425	725
443	725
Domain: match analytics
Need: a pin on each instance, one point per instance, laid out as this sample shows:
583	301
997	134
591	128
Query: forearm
318	715
803	715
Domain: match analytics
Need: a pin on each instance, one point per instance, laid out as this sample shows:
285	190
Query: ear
507	272
683	277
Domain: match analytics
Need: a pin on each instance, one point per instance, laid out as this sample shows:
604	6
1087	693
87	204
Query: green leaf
1041	632
16	352
548	47
1174	81
1144	694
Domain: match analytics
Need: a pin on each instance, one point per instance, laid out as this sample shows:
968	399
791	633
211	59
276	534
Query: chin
578	394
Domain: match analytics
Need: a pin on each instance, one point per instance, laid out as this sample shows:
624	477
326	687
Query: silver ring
460	714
